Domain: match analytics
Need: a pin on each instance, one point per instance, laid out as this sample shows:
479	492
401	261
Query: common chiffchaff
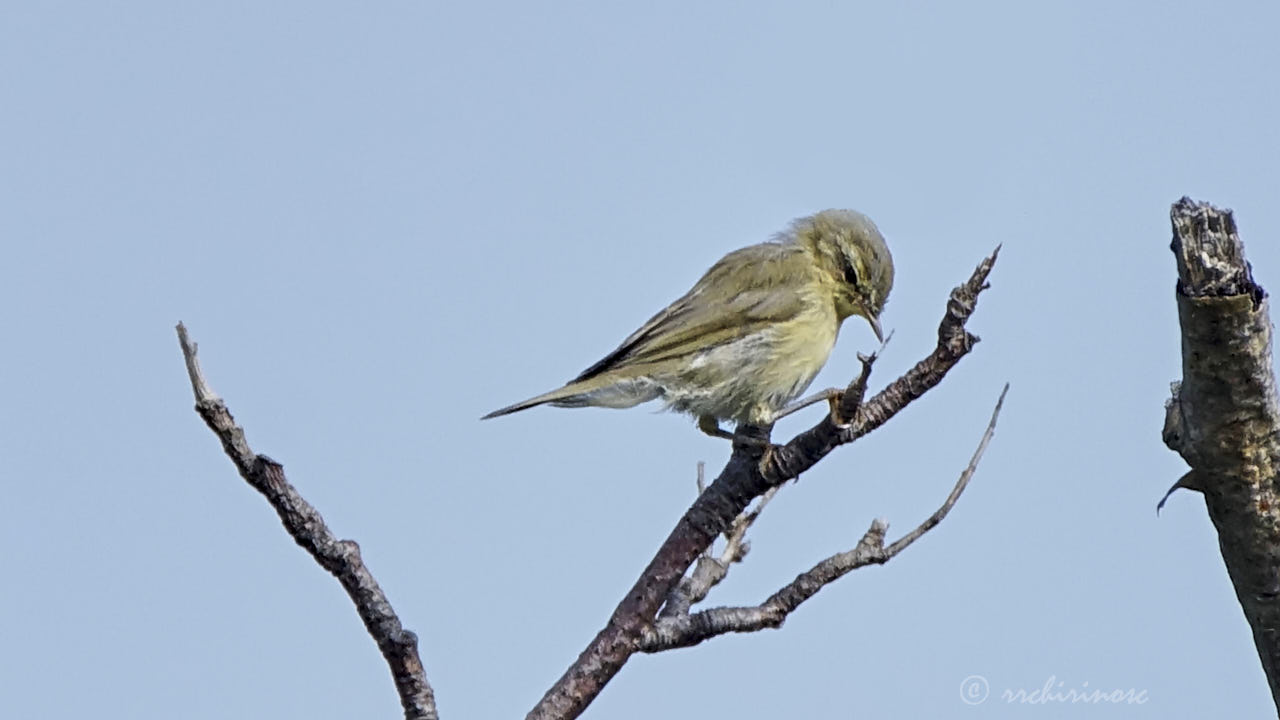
752	333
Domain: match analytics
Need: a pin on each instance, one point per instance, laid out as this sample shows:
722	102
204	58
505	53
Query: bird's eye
850	275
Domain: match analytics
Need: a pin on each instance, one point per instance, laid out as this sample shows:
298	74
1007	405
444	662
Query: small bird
751	334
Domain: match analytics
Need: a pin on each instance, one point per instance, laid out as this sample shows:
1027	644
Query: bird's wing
748	290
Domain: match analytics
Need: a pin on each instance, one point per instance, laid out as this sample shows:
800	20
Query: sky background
382	220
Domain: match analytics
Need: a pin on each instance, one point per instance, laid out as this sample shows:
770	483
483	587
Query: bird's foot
754	439
831	395
711	426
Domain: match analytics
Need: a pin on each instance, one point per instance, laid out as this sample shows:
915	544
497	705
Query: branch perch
1223	418
752	470
340	557
683	630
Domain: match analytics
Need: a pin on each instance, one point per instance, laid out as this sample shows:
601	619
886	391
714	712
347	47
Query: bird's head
851	250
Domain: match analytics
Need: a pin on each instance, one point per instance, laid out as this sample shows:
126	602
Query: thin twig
710	570
932	521
340	557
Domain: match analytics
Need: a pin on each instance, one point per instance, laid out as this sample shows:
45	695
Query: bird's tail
597	391
572	395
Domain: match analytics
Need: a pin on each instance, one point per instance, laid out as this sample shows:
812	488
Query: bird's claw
711	426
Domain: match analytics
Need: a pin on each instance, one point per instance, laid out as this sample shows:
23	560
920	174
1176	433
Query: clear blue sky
382	220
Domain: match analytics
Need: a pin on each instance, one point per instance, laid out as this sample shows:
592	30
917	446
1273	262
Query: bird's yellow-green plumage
752	333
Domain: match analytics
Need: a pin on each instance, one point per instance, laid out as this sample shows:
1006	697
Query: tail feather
510	409
572	395
598	391
525	404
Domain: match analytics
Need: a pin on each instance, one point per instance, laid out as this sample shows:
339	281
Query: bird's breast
801	347
749	378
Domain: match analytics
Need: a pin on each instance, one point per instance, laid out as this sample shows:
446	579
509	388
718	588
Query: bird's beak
875	328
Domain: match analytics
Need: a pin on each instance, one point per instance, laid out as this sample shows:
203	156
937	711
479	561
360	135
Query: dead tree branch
1223	418
752	469
709	570
340	557
677	630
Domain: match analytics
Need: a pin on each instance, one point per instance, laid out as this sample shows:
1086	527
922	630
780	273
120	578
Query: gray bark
1223	418
304	524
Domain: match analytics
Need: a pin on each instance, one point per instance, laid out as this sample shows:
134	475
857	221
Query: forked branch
750	473
677	630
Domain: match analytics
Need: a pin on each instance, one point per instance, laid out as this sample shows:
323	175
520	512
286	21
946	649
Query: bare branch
677	631
753	468
709	570
203	392
937	516
1224	417
340	557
